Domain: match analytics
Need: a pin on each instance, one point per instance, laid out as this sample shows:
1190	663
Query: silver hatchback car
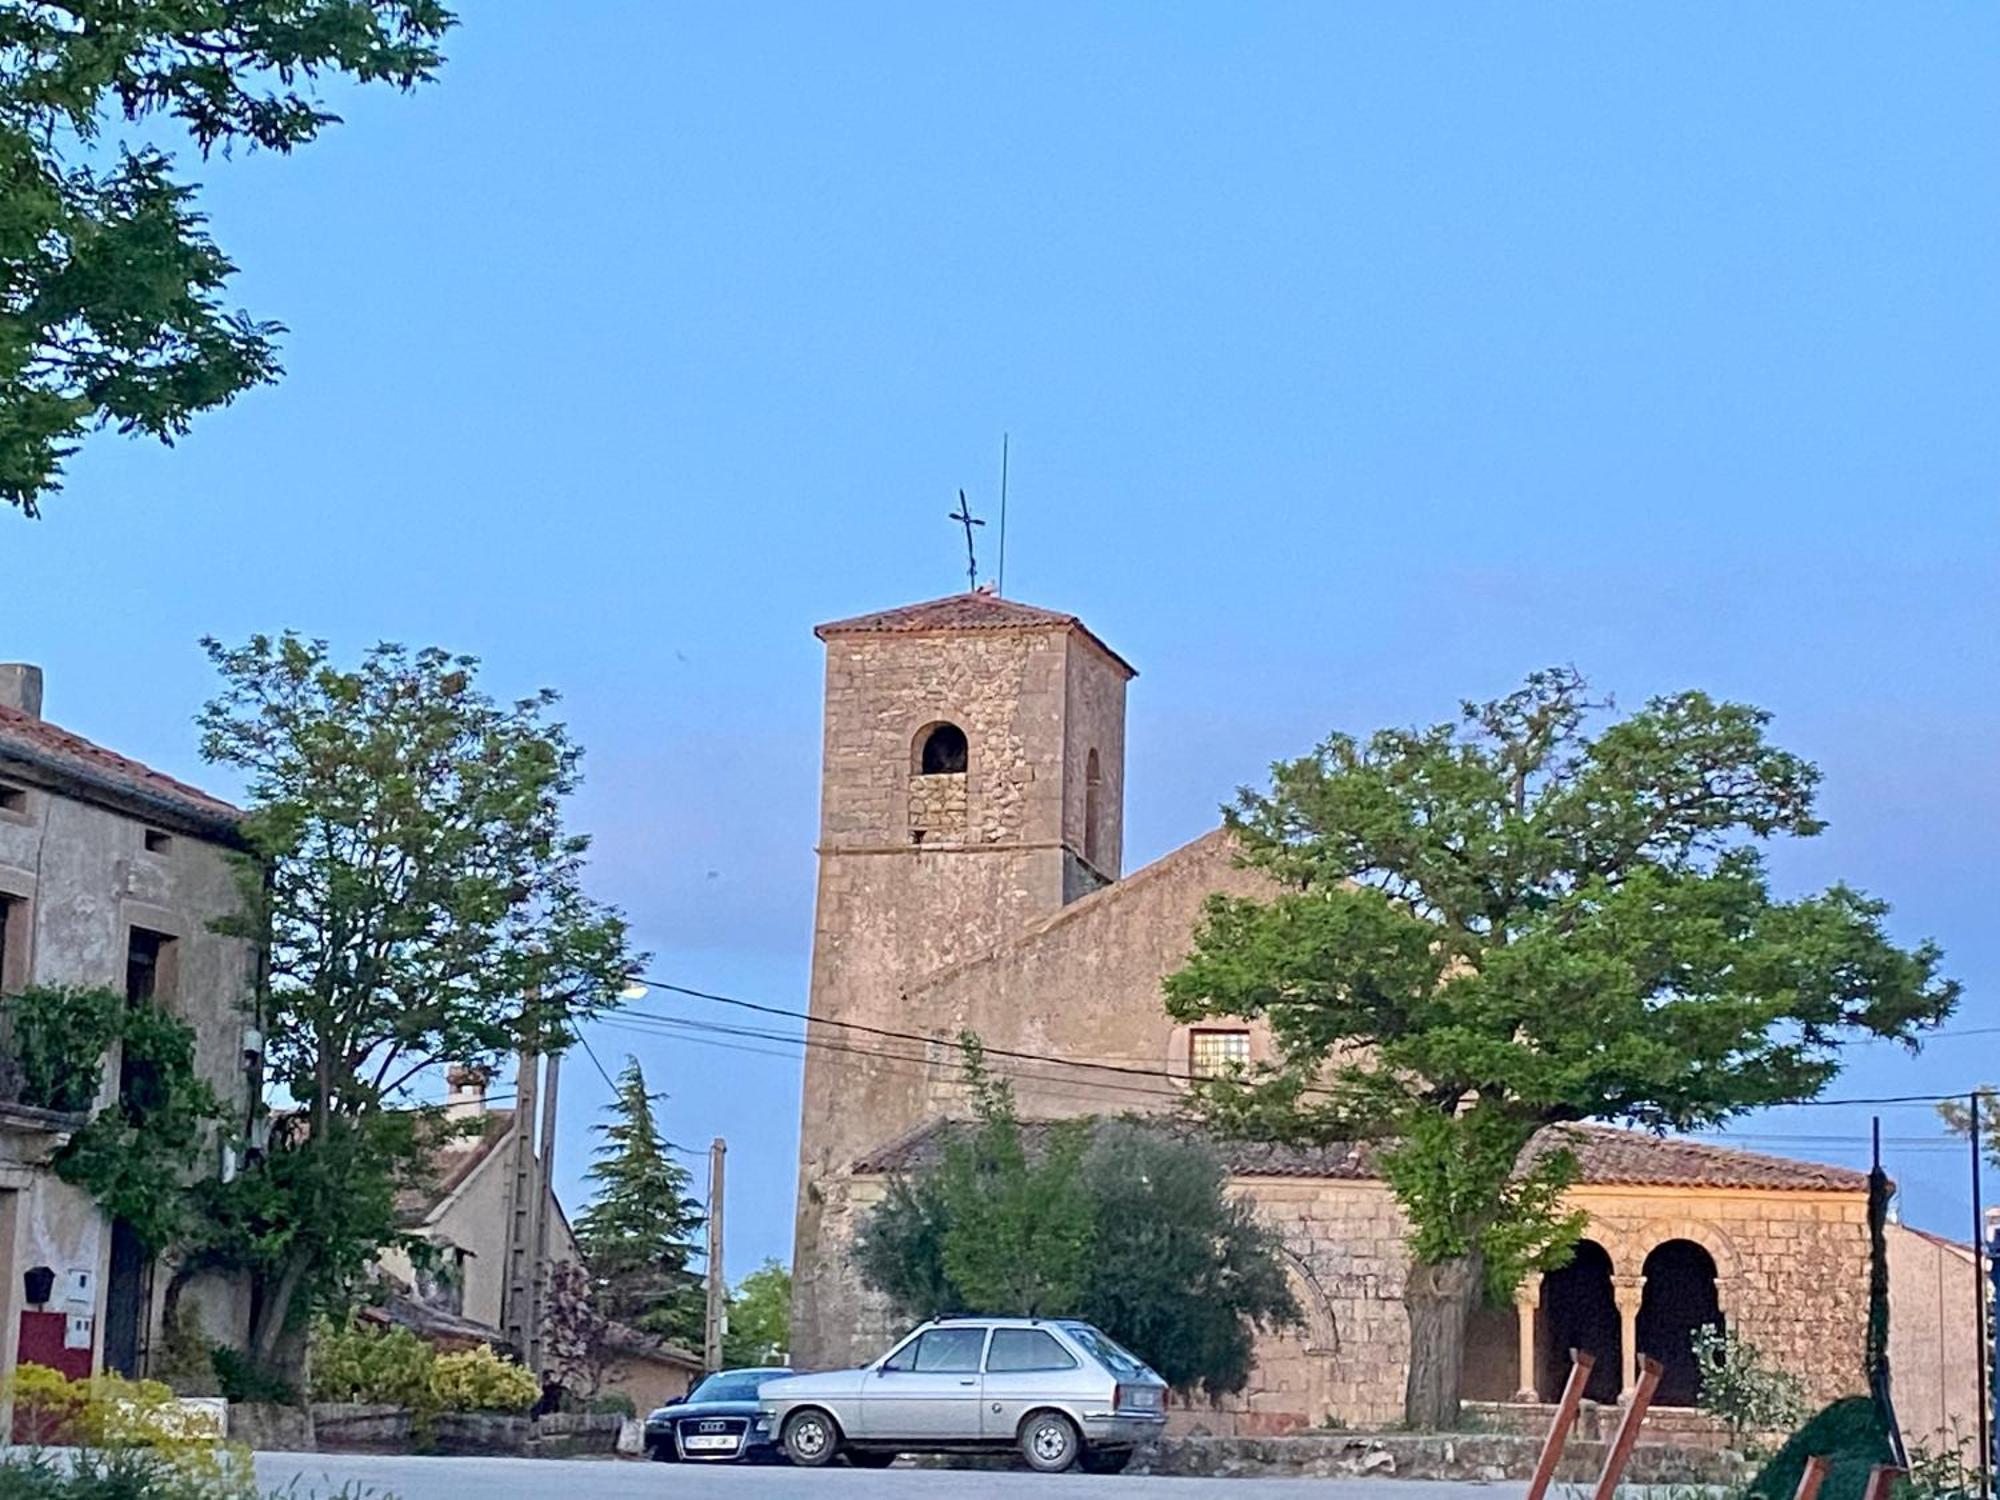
1058	1390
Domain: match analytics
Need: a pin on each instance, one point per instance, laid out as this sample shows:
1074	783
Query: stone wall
83	876
890	910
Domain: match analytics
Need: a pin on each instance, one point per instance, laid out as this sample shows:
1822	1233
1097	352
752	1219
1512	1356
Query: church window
941	751
1216	1054
1093	780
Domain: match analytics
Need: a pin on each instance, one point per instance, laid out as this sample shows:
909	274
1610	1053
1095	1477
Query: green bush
391	1367
59	1037
1849	1434
1738	1386
479	1380
238	1379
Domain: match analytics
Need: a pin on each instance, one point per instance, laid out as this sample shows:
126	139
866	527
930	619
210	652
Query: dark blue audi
716	1422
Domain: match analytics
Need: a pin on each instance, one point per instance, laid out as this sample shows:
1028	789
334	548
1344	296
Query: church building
971	877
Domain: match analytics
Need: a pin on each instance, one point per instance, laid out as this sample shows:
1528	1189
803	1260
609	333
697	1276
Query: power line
1054	1060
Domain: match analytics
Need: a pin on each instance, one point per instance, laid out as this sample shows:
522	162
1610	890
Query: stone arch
1721	1249
1680	1297
939	749
1579	1310
1320	1334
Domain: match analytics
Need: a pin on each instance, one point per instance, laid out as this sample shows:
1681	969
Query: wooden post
1620	1453
1580	1366
1882	1482
1811	1479
718	1304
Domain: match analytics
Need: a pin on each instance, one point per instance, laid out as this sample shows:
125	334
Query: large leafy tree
1490	926
421	902
637	1235
111	289
760	1317
1124	1223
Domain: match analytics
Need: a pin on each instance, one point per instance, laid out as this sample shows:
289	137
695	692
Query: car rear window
1118	1361
1016	1350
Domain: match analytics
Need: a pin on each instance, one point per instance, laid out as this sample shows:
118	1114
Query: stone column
1527	1297
1628	1292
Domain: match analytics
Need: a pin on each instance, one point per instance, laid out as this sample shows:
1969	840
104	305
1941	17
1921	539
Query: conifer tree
637	1236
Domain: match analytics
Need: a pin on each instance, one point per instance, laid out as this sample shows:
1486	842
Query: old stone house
465	1213
111	875
971	877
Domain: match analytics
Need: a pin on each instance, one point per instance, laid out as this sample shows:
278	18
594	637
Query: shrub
1739	1387
1849	1434
392	1366
238	1378
131	1440
479	1380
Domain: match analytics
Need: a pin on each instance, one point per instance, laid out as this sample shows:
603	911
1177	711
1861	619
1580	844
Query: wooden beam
1620	1453
1882	1482
1580	1366
1813	1476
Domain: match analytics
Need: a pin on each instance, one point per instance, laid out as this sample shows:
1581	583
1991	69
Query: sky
1355	360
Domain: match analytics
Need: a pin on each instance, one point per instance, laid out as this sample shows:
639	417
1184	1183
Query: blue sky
1356	358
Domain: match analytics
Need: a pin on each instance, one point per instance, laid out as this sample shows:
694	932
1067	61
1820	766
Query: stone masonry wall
891	911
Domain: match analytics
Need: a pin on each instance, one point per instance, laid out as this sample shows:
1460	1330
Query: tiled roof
98	774
454	1160
1609	1157
978	610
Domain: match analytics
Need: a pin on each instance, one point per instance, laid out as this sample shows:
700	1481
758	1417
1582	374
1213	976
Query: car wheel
810	1438
1106	1461
870	1459
1049	1442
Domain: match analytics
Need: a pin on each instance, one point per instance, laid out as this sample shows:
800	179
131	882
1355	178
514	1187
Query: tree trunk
270	1350
1439	1300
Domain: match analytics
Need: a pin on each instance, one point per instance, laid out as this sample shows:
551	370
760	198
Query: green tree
1957	1116
111	313
1487	927
1123	1223
637	1235
1018	1229
421	903
1180	1272
760	1317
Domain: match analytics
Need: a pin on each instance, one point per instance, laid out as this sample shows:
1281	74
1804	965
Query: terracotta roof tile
978	610
1609	1157
117	778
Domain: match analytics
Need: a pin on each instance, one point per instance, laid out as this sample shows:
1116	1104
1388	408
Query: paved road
545	1479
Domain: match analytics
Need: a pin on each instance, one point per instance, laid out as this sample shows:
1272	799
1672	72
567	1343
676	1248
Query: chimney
465	1092
21	688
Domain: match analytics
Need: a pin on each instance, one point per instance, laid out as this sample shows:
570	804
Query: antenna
1000	583
964	516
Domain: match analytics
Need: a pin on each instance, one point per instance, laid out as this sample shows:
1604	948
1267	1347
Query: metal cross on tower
964	516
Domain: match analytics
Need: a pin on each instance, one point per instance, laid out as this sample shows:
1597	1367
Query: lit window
1214	1054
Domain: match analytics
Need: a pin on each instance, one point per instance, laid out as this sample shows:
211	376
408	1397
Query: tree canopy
760	1317
420	902
111	288
1122	1223
1496	924
637	1235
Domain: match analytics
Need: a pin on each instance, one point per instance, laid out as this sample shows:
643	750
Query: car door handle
968	1382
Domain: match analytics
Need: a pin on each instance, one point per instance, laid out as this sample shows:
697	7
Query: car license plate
709	1443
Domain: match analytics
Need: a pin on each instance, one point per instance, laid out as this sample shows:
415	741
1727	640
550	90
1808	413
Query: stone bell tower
972	780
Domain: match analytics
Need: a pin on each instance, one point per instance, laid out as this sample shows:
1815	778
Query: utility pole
1986	1444
544	1200
718	1306
518	1318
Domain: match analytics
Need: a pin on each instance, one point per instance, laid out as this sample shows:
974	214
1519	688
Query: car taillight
1118	1398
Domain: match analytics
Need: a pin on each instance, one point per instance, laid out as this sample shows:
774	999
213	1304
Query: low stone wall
471	1434
359	1427
1486	1457
1684	1425
575	1435
269	1428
